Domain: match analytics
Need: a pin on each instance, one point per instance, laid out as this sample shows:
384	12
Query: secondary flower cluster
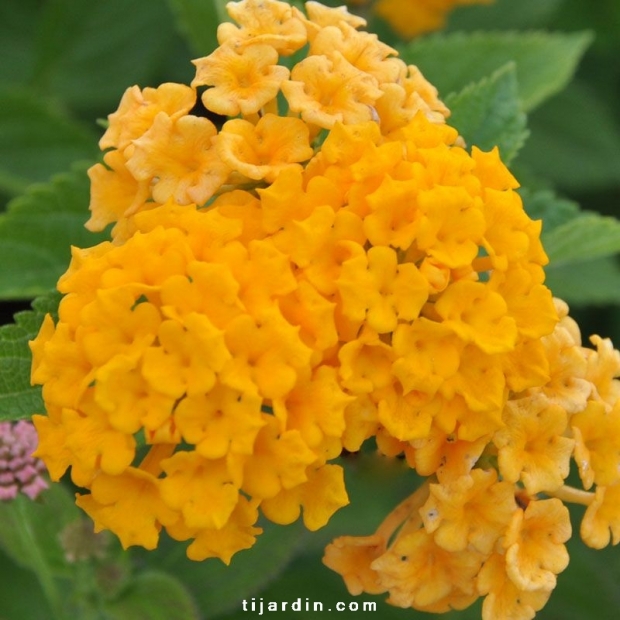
329	266
410	18
490	520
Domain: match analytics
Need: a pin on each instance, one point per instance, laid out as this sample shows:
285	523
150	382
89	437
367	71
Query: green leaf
504	15
19	399
36	141
37	231
489	114
588	588
153	595
217	588
575	141
29	535
546	206
586	237
20	593
17	28
198	21
88	53
591	283
545	61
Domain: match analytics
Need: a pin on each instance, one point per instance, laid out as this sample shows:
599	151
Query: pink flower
19	470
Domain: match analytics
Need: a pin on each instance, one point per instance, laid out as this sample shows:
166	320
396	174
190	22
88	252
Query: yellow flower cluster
161	146
193	374
327	265
410	18
490	521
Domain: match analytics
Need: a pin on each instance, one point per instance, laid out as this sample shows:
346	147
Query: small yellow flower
264	150
601	521
325	90
179	159
597	444
133	492
114	192
534	543
242	81
267	22
532	447
351	557
503	599
470	512
138	109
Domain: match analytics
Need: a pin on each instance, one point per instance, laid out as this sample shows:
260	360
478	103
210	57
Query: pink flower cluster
19	470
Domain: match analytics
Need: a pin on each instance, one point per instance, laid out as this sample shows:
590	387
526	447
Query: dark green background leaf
489	114
19	399
545	61
37	231
36	141
153	595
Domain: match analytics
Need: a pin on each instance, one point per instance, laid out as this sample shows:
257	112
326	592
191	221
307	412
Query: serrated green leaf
19	399
584	238
545	61
153	595
575	141
37	231
198	21
545	205
37	141
591	283
489	114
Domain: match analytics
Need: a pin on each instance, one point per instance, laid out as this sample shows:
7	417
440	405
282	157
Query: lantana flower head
330	266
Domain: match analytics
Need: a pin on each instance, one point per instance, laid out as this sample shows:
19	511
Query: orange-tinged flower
534	543
241	81
264	150
179	159
532	446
